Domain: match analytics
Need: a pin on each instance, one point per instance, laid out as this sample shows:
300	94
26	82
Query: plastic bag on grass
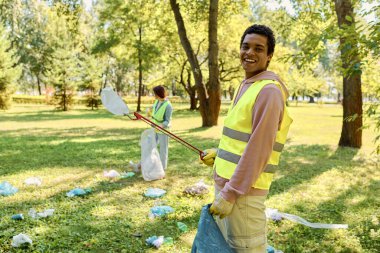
199	188
78	192
151	166
35	215
33	181
182	227
154	193
111	174
6	189
157	241
159	211
274	214
21	240
127	174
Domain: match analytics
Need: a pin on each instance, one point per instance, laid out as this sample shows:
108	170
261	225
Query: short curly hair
262	30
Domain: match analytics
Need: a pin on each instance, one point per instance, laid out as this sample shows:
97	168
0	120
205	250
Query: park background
56	56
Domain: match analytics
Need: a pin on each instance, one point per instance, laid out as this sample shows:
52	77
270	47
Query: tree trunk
231	92
39	85
311	99
213	51
208	107
193	99
351	135
140	72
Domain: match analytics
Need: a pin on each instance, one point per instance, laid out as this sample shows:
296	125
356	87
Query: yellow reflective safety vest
237	131
158	114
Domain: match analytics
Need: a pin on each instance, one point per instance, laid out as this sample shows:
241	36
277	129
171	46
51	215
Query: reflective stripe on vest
237	132
234	134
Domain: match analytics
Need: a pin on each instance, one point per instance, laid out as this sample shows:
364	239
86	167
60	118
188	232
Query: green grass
317	181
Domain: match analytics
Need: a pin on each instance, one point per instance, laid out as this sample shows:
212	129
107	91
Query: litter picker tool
114	104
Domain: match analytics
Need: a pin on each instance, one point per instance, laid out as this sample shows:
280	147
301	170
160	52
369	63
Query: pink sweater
267	115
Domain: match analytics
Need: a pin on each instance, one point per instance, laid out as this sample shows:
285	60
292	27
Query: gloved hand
148	111
209	158
221	207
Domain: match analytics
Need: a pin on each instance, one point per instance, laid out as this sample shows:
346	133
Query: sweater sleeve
266	119
167	116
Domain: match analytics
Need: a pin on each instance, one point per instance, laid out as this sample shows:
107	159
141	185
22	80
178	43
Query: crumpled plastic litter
127	174
274	214
35	215
33	181
157	241
199	188
154	192
135	166
6	189
182	226
21	240
111	174
270	249
159	211
78	192
18	216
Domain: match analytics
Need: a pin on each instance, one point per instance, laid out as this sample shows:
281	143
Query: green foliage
32	42
9	72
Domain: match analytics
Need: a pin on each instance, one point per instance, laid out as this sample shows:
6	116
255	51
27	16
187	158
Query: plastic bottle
18	216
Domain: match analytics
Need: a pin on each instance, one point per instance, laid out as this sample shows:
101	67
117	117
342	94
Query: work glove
221	207
209	157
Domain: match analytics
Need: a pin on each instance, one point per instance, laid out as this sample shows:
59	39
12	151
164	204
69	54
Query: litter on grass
159	211
35	215
270	249
111	174
154	192
136	167
199	188
33	181
182	226
127	174
78	192
275	215
157	241
18	216
21	240
6	189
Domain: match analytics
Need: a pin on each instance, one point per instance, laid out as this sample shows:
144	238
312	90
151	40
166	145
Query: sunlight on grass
316	180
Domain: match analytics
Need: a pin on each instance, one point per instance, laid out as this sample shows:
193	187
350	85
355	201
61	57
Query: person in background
253	137
161	114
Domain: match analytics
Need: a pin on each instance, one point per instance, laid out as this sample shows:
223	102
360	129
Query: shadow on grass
339	210
300	163
44	115
83	147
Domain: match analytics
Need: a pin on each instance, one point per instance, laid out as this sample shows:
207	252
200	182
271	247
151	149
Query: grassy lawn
317	181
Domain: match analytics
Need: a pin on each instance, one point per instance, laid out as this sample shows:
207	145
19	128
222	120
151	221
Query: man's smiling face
253	54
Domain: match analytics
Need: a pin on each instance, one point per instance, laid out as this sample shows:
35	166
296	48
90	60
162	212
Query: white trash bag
151	166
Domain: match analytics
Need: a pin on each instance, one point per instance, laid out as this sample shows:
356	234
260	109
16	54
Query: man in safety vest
254	135
161	114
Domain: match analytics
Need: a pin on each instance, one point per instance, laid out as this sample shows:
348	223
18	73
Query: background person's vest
158	115
237	131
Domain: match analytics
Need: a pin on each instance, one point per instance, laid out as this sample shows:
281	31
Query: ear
269	57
